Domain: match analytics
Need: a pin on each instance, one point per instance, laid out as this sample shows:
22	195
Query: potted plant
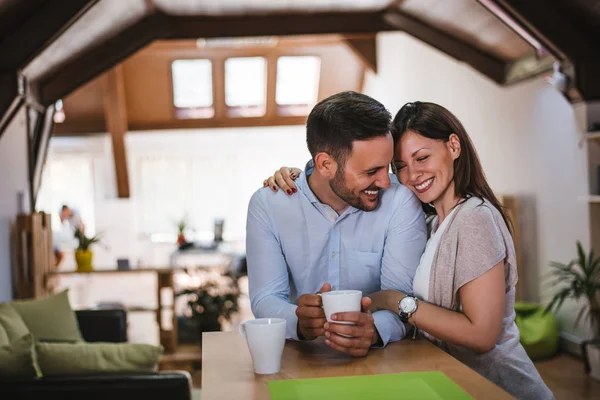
181	226
83	254
576	280
214	300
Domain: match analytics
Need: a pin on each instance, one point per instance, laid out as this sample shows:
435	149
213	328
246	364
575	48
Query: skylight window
192	88
245	86
297	84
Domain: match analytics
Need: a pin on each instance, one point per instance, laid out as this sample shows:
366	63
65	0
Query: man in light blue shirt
349	227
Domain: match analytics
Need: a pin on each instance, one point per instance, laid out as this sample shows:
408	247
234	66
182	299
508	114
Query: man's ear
326	165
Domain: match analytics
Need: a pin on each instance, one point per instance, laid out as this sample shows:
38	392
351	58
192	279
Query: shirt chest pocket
364	271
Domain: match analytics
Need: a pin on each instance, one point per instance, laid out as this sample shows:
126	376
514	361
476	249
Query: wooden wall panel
149	86
84	110
149	93
148	90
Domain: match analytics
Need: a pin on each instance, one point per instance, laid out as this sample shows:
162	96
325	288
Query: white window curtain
217	195
199	188
164	193
68	180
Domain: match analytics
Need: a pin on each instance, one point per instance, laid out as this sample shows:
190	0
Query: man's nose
383	181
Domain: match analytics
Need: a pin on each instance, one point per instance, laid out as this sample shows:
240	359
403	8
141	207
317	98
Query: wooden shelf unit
33	255
164	277
595	135
593	199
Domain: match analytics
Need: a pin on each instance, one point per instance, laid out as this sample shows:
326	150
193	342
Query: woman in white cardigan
464	288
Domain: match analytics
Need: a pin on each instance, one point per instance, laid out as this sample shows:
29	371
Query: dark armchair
105	326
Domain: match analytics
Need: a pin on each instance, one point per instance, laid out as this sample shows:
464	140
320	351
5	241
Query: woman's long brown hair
435	122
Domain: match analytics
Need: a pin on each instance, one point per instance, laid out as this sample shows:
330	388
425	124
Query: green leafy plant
84	241
578	279
214	300
181	225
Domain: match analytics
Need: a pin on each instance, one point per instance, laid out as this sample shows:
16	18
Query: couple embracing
346	223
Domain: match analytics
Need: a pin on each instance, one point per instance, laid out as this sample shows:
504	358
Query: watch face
408	304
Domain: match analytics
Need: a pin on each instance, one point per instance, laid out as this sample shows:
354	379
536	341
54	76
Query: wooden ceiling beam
217	123
14	13
365	49
10	100
155	25
115	108
42	28
485	63
563	39
587	80
528	67
100	58
546	24
277	25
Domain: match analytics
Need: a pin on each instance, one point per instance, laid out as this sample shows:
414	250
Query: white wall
14	192
238	160
527	139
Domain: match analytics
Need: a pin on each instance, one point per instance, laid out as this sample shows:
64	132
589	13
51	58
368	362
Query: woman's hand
284	179
385	300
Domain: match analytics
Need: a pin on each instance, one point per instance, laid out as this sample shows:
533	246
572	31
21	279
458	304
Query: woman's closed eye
422	158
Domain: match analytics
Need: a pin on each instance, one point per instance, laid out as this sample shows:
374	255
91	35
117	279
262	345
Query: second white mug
266	339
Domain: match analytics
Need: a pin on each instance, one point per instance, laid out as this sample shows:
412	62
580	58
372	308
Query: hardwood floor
564	375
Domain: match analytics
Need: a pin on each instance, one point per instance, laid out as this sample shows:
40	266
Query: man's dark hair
64	207
337	121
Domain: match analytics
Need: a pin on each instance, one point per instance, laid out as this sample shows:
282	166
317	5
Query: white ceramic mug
266	339
338	301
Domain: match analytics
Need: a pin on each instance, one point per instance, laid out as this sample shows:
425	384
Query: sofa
101	326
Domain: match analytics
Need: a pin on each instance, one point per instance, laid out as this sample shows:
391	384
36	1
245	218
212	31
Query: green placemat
406	386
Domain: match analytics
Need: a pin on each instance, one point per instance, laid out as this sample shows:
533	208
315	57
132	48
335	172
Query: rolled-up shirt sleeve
268	277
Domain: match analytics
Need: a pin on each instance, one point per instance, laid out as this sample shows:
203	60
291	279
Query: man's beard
338	186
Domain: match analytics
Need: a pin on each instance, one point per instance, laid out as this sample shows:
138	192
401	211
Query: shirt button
333	255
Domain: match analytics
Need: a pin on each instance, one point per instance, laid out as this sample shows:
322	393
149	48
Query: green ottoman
538	330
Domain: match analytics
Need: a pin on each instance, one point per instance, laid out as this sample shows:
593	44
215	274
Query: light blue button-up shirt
295	244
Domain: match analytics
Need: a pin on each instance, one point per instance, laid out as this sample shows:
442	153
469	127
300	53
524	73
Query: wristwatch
407	307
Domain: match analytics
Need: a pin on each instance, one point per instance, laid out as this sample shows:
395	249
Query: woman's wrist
393	298
413	317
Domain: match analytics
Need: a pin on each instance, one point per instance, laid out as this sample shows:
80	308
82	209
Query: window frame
193	113
296	110
255	111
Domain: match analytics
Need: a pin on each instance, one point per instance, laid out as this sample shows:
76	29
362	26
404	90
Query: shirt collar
307	191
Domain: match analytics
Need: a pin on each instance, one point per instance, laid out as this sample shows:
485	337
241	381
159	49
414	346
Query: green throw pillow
4	340
16	358
12	324
84	358
50	318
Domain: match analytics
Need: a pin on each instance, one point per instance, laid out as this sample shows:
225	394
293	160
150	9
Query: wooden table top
227	366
